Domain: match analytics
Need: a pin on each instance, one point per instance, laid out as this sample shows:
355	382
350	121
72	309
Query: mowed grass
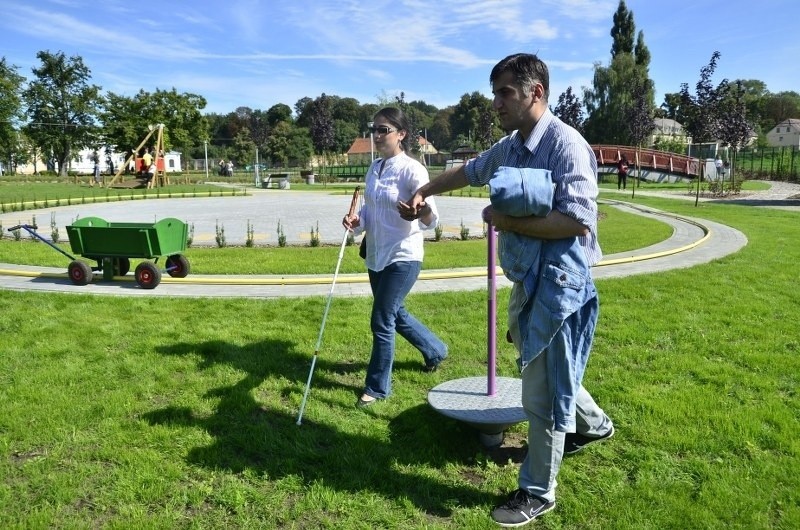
179	413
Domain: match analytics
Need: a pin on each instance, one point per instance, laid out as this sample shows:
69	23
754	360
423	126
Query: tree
322	128
278	113
62	107
623	30
703	108
779	107
569	110
735	130
302	111
243	150
466	118
703	112
672	107
289	143
639	118
610	94
126	120
10	111
259	128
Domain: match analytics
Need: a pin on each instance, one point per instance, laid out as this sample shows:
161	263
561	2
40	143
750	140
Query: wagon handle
26	227
31	229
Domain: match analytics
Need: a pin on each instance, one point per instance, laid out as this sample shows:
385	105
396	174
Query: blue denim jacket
557	281
520	192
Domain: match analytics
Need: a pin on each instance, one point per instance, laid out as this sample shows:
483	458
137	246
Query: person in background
147	159
622	172
97	179
553	307
720	168
394	252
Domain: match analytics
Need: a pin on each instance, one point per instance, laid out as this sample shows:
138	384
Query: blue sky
260	53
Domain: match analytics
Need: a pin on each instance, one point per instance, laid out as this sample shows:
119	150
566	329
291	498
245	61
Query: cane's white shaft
325	313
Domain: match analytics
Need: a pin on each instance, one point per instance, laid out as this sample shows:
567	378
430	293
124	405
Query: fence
777	163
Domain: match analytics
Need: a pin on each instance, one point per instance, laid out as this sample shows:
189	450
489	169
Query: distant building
668	129
83	162
362	150
785	134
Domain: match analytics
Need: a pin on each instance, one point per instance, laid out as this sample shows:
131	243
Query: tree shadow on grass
249	435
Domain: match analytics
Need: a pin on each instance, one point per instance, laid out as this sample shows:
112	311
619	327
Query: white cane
353	204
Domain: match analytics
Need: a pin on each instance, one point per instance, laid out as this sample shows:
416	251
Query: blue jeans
389	315
538	472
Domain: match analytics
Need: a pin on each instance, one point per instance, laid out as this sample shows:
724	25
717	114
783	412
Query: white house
83	162
785	134
668	129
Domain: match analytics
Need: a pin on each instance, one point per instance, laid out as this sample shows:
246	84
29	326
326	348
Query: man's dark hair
527	69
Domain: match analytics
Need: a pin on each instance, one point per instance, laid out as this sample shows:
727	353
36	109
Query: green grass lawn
150	412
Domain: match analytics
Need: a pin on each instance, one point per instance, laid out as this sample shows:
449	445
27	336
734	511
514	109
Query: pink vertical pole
492	311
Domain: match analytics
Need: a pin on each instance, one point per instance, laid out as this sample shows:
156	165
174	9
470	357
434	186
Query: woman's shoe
430	368
361	403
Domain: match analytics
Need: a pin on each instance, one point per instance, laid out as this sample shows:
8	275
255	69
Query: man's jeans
546	445
389	289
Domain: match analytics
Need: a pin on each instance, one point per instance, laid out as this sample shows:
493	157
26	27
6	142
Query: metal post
205	148
371	143
491	389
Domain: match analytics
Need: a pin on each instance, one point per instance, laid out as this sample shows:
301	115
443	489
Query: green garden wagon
112	245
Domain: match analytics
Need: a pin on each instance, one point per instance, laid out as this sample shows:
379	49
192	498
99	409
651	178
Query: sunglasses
382	130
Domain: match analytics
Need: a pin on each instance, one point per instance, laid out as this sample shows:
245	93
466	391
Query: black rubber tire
178	266
148	276
122	266
80	272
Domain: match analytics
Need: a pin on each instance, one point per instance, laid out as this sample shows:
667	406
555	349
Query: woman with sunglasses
394	251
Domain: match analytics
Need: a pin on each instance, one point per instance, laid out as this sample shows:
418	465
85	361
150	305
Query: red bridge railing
608	155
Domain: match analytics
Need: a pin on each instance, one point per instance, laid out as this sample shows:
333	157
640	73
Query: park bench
345	173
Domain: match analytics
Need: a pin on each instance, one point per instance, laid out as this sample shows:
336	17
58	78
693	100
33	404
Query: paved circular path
694	241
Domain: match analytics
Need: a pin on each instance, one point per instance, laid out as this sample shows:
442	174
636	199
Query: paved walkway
694	241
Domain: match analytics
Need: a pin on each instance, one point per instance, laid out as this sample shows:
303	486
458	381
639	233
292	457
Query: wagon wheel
178	266
122	266
148	276
79	272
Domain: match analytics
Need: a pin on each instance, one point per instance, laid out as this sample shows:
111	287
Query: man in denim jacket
553	308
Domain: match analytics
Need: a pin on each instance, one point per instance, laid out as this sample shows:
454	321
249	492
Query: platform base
466	400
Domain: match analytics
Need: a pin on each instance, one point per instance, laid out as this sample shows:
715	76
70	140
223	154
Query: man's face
514	109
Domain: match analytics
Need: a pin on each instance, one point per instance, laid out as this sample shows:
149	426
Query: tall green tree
127	120
610	93
62	107
289	144
779	107
278	113
10	111
622	31
466	120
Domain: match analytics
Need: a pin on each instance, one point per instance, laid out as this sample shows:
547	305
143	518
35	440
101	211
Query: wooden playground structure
160	177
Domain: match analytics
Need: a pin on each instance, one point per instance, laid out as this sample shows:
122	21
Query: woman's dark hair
398	119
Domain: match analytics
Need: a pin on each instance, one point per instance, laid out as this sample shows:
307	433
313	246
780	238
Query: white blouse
389	237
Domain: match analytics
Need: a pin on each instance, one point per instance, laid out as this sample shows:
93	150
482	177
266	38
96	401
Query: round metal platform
467	400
